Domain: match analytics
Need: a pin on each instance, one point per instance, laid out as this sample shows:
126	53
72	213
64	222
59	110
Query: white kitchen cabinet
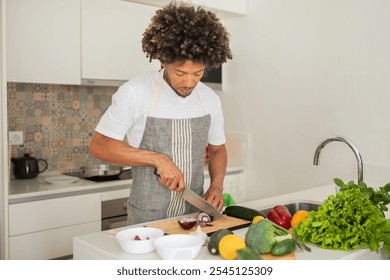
43	41
224	9
111	33
90	42
44	229
48	244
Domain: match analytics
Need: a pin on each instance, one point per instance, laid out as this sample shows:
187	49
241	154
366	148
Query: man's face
183	76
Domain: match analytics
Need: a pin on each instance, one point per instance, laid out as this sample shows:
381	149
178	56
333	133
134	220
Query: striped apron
184	141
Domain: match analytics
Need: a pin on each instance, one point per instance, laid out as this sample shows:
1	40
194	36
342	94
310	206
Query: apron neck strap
206	112
156	92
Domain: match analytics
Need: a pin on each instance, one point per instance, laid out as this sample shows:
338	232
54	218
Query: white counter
103	245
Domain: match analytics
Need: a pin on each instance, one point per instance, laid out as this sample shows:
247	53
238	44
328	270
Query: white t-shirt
131	104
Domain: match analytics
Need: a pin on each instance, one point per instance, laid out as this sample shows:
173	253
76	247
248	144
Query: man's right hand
118	152
170	175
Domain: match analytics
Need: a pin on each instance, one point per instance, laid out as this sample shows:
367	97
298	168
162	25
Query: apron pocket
136	215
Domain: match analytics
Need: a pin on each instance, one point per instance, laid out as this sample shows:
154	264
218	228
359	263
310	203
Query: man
169	116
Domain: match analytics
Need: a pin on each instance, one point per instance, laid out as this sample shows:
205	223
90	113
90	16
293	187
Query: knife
197	201
200	203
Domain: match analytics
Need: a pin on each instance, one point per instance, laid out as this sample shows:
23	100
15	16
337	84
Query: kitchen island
103	245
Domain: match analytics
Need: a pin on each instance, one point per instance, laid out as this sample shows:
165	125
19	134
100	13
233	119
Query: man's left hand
214	197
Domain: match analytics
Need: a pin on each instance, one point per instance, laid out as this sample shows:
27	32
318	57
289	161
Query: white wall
304	70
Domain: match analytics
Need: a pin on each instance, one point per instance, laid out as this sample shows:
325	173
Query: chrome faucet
350	144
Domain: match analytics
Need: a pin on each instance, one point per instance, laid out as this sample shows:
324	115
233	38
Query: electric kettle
28	167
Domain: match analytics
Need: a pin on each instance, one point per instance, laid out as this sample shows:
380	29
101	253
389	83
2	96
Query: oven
114	213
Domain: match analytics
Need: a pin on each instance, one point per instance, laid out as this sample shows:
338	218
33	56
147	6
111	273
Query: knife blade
197	201
200	203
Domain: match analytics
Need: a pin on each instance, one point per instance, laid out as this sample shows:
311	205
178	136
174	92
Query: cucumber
214	239
241	212
247	254
283	247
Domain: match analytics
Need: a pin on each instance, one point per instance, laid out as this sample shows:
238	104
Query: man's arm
118	152
217	170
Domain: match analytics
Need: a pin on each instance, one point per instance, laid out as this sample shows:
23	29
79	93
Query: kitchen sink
294	207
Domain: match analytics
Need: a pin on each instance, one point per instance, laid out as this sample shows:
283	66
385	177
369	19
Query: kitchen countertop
103	245
38	188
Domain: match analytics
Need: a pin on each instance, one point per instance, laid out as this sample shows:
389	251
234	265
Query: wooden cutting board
171	226
269	256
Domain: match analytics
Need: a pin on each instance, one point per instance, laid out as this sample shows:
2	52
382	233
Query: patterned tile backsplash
57	121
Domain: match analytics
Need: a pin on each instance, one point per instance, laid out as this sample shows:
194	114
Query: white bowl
178	246
128	243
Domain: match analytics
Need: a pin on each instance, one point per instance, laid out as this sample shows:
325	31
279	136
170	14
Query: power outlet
15	137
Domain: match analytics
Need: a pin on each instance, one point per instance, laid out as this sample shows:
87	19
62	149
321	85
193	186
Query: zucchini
214	239
241	212
247	254
283	247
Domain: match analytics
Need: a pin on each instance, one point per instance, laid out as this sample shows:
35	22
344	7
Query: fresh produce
214	239
247	254
187	222
351	219
299	216
379	198
137	237
199	232
204	219
241	212
262	236
257	219
280	215
228	246
283	247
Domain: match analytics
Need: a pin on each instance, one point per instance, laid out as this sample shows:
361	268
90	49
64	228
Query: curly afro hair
180	32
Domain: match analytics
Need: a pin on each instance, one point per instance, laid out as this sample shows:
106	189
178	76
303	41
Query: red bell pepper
280	216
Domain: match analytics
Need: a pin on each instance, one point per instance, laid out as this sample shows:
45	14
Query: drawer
48	244
53	213
110	195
